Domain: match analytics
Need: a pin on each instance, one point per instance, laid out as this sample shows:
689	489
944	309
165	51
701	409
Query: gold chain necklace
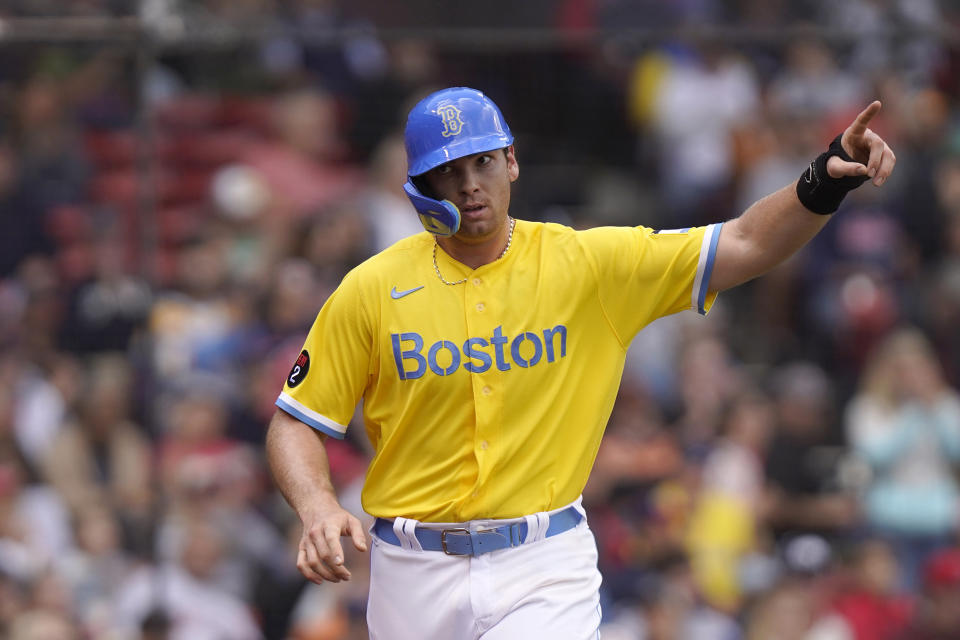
436	267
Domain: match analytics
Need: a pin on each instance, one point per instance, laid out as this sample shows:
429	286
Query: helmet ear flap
439	217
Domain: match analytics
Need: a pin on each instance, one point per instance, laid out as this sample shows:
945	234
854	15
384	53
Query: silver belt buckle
443	541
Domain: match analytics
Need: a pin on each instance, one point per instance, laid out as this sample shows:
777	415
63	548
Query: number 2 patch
299	370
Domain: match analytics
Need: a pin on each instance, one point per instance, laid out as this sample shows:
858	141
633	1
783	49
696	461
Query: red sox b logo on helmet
452	124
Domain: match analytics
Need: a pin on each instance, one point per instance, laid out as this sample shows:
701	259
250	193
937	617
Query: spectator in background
13	597
786	612
94	571
876	50
813	84
794	605
905	422
106	311
50	594
285	311
245	221
196	450
334	241
340	65
102	458
636	497
943	299
184	588
306	165
290	302
42	625
937	614
727	521
926	127
637	449
53	167
34	525
22	231
868	606
387	207
771	148
381	103
211	477
801	469
39	312
195	322
319	614
45	398
709	381
668	607
858	289
8	376
702	96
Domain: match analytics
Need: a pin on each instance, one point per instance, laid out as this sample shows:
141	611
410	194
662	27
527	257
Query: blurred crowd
784	469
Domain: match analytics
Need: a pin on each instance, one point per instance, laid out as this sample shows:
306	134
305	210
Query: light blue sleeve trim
307	420
708	269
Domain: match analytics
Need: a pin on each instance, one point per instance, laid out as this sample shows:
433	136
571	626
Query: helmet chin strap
439	217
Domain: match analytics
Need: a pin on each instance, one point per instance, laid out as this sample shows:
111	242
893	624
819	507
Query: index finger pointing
859	126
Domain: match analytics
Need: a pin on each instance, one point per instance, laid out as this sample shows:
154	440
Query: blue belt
463	542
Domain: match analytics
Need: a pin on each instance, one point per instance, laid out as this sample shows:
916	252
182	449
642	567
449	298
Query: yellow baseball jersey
488	399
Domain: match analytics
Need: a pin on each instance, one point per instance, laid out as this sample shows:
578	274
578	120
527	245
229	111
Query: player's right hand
872	156
320	554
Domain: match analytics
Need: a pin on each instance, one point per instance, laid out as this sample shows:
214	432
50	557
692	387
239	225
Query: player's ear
513	169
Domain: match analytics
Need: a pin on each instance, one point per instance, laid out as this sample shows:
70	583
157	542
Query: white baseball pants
545	588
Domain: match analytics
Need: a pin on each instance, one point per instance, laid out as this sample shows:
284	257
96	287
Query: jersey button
477	282
486	391
481	306
484	444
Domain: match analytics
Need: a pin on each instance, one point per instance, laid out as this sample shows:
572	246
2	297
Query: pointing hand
874	158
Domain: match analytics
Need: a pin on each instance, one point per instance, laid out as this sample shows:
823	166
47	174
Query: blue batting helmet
444	126
450	124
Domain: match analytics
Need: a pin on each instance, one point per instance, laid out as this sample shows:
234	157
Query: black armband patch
820	193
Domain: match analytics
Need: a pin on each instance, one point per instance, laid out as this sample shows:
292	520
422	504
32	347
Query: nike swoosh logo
396	295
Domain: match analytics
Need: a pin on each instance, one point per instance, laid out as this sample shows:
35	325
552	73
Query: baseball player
487	353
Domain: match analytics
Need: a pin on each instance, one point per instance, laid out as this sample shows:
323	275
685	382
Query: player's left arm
775	227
